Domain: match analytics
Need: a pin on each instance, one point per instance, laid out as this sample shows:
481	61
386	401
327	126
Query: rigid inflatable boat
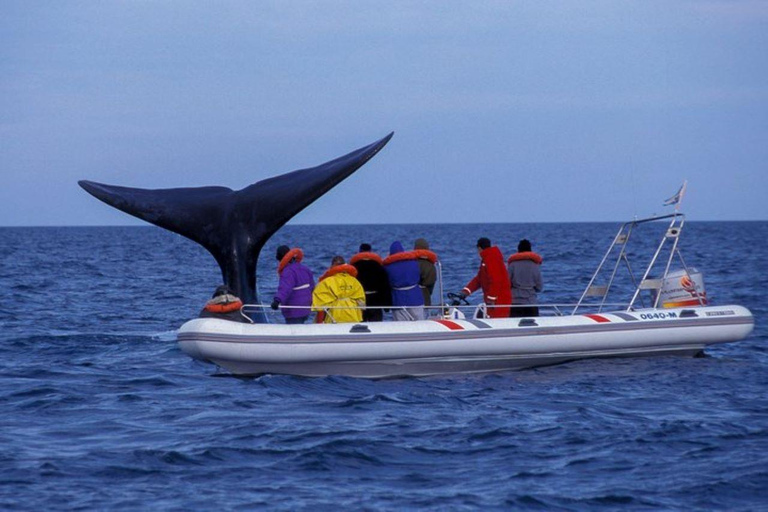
668	312
442	346
668	315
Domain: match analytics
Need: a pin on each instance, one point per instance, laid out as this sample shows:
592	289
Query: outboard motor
681	288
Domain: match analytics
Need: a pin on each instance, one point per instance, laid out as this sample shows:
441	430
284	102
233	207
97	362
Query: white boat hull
431	347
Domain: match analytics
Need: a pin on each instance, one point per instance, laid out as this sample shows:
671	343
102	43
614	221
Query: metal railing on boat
593	289
442	311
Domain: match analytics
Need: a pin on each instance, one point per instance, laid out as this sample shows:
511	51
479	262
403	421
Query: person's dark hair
483	243
524	246
282	251
337	260
365	248
221	290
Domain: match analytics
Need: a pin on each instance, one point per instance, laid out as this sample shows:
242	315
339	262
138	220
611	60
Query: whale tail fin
234	225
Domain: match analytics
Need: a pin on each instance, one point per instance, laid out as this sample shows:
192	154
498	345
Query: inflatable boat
443	346
668	315
668	312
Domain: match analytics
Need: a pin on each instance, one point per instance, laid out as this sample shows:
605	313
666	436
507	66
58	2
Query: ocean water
99	409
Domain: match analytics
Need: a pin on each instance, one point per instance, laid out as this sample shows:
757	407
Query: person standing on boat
525	275
492	277
339	297
403	272
427	270
295	286
224	305
373	277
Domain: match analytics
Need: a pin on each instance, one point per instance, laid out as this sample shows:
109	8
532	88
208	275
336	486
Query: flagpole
681	193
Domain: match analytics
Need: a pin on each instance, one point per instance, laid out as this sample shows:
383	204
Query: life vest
365	256
401	256
425	254
223	307
289	256
527	255
349	269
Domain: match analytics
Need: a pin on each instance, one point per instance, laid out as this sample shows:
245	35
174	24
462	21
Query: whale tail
234	225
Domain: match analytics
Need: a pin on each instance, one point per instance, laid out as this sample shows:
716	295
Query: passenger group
403	282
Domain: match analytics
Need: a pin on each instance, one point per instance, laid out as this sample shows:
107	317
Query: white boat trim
433	347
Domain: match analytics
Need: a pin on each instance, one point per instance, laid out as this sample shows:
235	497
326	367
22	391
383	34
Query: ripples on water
100	409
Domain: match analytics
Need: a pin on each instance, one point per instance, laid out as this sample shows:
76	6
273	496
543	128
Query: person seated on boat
525	275
427	270
373	277
403	272
295	286
492	277
338	297
224	305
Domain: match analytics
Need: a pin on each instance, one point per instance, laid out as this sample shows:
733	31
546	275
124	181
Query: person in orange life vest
525	276
492	277
225	305
295	285
427	271
340	293
373	277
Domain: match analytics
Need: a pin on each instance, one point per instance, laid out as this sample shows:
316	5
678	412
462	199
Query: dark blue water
99	409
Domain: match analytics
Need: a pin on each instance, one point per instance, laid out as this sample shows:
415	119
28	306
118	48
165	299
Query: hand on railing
458	299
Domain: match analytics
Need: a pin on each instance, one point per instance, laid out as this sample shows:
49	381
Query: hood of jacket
491	253
395	248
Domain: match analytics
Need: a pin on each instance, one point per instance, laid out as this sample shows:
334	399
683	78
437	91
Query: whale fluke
234	225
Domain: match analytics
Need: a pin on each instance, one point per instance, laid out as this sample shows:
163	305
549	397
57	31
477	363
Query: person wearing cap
492	277
339	297
224	305
403	272
427	271
525	275
295	286
373	277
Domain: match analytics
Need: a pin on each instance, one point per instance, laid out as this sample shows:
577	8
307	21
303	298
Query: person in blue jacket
403	271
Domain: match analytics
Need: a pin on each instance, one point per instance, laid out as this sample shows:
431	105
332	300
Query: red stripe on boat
451	325
597	318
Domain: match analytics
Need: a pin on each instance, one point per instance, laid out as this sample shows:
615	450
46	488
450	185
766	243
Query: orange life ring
400	256
226	307
338	269
290	255
527	255
365	256
425	254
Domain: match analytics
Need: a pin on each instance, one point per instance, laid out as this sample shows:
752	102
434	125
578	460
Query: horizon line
146	224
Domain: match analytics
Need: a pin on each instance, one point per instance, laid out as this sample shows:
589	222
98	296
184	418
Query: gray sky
503	111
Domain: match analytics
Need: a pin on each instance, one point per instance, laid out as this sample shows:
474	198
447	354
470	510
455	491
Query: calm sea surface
99	409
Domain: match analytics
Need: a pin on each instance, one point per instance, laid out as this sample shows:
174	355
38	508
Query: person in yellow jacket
339	288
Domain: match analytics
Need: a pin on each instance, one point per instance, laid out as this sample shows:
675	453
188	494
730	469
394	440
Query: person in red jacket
492	277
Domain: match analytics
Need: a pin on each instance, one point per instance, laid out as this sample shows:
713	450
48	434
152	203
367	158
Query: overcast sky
503	111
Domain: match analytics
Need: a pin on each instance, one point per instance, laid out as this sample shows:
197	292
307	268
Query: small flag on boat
675	199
